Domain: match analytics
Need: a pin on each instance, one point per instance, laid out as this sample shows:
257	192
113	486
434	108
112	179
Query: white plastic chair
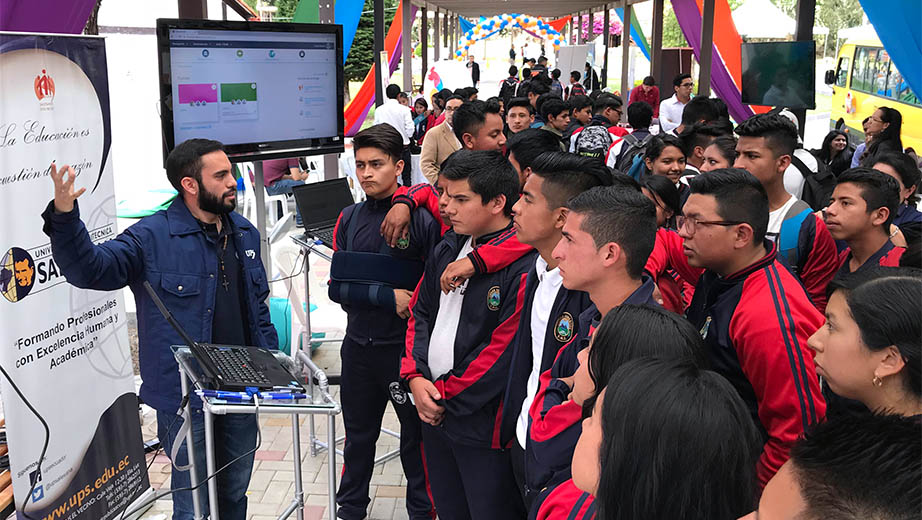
249	200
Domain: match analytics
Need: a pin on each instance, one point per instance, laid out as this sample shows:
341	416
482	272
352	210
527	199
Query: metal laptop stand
189	371
308	245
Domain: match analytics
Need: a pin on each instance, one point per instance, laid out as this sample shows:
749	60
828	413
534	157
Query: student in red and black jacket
377	311
863	205
607	237
550	312
457	354
765	149
755	317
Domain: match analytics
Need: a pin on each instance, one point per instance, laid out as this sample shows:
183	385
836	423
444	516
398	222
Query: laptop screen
320	203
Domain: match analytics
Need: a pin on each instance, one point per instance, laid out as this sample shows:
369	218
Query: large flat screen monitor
779	74
265	90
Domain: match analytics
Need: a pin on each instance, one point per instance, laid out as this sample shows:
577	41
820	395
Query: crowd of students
579	319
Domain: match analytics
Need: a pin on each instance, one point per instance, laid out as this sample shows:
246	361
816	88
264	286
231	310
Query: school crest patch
493	298
398	394
563	330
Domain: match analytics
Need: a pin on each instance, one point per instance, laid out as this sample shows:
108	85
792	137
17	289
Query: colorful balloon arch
489	26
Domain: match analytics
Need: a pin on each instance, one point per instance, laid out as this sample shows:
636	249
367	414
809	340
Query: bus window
880	70
842	71
860	69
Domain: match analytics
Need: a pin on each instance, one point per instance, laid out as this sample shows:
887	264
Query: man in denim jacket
203	261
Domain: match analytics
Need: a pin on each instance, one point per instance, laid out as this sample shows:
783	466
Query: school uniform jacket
566	502
472	390
562	327
555	421
379	324
488	257
755	324
887	256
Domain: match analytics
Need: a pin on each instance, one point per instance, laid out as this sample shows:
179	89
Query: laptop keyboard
236	366
325	235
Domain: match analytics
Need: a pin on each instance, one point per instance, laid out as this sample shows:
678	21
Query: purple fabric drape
45	16
722	84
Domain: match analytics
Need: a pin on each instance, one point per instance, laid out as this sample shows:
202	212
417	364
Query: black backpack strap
351	226
804	170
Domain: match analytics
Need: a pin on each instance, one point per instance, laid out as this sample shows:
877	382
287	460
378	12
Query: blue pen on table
220	394
283	396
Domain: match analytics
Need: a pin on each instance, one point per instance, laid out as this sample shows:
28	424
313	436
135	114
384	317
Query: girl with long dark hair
667	439
835	153
627	332
870	348
885	126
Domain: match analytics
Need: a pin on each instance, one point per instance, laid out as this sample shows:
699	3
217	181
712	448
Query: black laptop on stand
320	204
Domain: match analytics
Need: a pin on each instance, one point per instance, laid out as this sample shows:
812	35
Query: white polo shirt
670	113
442	340
398	116
549	283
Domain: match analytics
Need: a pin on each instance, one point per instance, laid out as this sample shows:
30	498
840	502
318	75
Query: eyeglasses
693	223
687	85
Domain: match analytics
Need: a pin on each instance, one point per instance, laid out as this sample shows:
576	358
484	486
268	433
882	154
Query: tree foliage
361	56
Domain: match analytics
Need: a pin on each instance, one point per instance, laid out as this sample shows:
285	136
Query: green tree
361	56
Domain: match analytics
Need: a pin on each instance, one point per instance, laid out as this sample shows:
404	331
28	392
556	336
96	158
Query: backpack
594	141
789	236
817	186
507	89
577	89
632	152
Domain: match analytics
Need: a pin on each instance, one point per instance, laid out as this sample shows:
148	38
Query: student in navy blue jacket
458	354
203	261
375	296
549	316
607	238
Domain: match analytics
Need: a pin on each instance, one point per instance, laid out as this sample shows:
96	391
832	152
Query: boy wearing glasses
753	314
440	142
670	110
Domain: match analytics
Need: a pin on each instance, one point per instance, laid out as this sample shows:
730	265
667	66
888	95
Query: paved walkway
272	484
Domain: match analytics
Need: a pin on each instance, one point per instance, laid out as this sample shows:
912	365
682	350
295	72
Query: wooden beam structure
707	48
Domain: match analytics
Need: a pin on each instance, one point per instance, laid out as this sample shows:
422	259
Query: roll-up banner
65	348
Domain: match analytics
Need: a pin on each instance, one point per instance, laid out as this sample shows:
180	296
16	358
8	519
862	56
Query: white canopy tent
761	19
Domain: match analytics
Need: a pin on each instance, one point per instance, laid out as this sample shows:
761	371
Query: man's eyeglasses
693	223
687	85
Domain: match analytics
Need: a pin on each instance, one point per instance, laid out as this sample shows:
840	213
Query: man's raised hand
64	194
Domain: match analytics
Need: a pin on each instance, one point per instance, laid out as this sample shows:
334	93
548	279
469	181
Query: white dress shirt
398	116
442	340
549	283
670	113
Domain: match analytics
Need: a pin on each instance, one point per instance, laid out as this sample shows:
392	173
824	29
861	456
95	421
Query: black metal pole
379	48
806	17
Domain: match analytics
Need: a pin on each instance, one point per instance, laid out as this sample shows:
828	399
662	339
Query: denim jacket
170	250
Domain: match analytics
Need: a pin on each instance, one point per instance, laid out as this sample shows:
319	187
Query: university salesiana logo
17	274
44	87
493	298
563	330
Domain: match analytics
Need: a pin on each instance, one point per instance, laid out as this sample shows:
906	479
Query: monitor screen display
263	89
779	74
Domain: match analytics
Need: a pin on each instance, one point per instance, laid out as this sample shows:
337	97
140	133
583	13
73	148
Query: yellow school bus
864	80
